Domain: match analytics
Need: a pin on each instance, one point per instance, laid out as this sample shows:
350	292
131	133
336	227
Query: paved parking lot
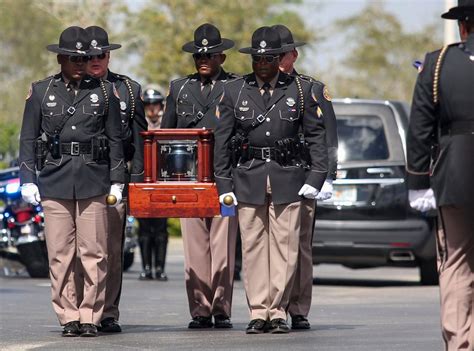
378	309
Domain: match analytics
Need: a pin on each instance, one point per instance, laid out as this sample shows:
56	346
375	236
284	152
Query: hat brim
56	49
110	47
289	47
253	51
459	13
193	49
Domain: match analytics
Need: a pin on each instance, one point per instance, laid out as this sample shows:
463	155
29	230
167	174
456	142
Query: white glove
326	190
231	194
422	200
30	193
116	190
308	191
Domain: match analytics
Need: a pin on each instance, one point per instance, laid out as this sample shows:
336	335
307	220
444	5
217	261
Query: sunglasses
267	58
98	57
78	59
204	56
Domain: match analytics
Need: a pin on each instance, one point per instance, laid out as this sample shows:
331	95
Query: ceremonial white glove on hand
422	200
326	190
308	191
30	193
116	190
231	194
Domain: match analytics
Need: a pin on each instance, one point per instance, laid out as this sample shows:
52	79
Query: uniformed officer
133	122
71	136
442	125
153	233
261	115
209	243
300	299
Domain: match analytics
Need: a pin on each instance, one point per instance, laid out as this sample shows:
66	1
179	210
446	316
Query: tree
161	28
379	64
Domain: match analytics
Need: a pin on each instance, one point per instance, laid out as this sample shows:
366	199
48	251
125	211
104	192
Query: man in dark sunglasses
263	113
208	242
67	117
132	117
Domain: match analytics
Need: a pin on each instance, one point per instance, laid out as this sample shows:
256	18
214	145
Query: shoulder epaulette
437	72
231	76
43	80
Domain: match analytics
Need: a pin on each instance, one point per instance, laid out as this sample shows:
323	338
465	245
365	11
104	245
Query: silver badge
52	97
94	98
243	109
290	101
78	45
185	96
123	105
94	43
263	44
244	102
204	42
51	104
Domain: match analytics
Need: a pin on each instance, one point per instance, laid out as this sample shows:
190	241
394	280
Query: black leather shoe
256	326
221	321
278	326
88	330
161	276
110	325
71	329
300	322
200	322
145	275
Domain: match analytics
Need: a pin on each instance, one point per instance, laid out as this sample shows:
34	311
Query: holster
238	149
41	151
100	148
54	146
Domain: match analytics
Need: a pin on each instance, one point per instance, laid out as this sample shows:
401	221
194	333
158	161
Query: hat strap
205	48
73	51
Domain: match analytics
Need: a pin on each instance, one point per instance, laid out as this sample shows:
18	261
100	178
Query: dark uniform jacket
242	103
132	113
186	107
71	176
450	123
320	93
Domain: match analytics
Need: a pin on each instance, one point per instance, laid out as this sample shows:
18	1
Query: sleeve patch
319	112
326	94
115	91
30	92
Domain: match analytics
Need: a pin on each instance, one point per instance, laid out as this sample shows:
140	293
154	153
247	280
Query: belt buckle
74	148
260	118
266	154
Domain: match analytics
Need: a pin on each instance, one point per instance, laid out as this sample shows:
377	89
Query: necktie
266	93
206	88
71	89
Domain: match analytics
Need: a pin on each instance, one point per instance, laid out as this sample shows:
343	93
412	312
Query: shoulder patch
326	94
30	91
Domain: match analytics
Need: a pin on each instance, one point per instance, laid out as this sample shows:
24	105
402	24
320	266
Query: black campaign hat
287	41
73	41
152	96
100	39
265	40
207	39
462	12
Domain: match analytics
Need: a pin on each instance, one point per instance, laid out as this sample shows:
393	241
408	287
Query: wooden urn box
178	178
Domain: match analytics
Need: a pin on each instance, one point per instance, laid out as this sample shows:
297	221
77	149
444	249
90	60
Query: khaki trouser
270	239
115	241
301	293
456	276
209	259
77	227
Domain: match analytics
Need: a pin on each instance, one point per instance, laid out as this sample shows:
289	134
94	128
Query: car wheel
429	272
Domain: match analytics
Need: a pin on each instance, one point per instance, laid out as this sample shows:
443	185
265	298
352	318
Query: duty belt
75	148
262	153
458	128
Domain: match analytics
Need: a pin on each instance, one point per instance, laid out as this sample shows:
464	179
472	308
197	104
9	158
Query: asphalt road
377	309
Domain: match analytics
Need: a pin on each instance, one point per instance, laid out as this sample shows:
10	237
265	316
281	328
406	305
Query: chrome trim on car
385	181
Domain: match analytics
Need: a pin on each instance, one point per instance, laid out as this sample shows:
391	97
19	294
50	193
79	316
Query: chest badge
243	109
185	96
51	104
94	98
123	105
244	102
290	102
51	97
